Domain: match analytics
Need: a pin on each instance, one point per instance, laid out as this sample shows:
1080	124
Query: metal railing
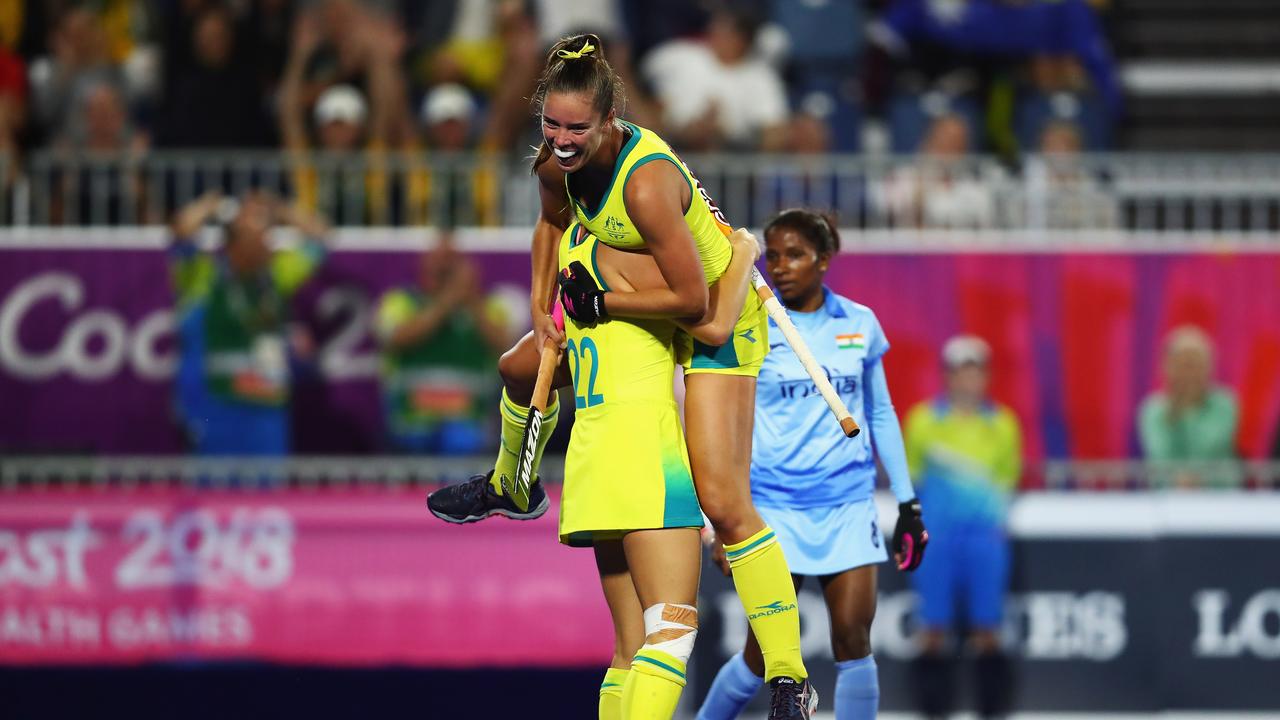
51	471
1233	195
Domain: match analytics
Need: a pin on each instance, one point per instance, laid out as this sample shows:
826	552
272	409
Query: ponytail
576	64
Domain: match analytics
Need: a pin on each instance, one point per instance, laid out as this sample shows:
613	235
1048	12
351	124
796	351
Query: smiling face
572	129
796	268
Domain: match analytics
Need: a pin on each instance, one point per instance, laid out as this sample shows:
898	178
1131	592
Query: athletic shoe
475	500
792	699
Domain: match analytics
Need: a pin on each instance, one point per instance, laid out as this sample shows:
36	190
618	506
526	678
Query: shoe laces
787	697
472	491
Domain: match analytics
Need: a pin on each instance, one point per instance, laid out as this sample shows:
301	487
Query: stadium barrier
1163	193
1122	602
407	472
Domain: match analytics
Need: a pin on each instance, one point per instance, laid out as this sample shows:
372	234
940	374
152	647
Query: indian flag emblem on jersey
855	341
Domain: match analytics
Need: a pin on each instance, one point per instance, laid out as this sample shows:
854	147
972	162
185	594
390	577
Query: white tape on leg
671	628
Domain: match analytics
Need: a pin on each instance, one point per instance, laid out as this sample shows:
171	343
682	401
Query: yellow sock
764	586
611	694
513	419
653	686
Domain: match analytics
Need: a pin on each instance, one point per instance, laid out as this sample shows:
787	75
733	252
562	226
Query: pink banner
348	577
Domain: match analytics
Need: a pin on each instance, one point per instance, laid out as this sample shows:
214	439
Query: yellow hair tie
587	49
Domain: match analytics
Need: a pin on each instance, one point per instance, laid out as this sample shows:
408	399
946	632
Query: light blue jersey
800	458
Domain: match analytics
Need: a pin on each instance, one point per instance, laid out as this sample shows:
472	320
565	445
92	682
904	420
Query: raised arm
188	219
654	196
293	124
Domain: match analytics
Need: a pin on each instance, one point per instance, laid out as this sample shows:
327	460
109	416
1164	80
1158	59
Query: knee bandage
671	628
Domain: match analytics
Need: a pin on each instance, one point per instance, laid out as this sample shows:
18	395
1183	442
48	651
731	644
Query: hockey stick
518	489
802	351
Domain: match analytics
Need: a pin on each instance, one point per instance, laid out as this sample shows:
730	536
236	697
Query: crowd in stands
401	82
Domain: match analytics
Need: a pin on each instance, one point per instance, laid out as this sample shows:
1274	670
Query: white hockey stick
802	351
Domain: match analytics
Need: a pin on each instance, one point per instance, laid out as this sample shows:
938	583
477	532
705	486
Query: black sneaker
475	500
792	699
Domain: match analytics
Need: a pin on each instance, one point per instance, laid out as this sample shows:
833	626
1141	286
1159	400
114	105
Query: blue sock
733	688
857	689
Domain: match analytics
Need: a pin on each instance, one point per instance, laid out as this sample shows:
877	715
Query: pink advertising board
333	577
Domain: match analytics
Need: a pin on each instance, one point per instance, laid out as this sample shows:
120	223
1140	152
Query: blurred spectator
488	46
448	118
965	454
90	42
716	94
212	96
463	41
808	135
440	345
1036	111
341	119
824	49
100	121
95	184
351	49
79	57
1190	419
1058	33
801	183
940	189
1073	197
236	341
451	192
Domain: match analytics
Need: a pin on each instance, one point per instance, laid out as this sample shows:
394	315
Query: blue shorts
965	574
225	427
830	539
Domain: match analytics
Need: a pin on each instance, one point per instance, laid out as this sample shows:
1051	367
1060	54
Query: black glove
909	536
582	298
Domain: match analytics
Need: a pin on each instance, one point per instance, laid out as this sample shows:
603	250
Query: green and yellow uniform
445	377
619	479
244	319
613	226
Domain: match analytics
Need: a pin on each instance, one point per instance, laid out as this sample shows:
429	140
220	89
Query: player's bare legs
650	582
624	603
718	415
628	623
665	567
851	603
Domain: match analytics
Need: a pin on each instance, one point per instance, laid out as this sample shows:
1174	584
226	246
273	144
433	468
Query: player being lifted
629	495
626	187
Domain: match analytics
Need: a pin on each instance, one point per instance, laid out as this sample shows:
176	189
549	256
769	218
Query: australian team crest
615	227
